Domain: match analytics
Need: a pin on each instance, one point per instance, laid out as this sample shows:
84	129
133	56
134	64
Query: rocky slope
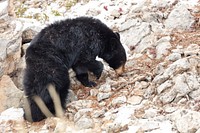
160	90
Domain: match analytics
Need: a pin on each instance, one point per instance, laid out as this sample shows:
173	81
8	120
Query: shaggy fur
72	43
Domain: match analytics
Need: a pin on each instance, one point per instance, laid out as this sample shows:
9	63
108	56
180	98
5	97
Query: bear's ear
117	34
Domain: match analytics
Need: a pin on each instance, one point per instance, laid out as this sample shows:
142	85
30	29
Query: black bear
71	43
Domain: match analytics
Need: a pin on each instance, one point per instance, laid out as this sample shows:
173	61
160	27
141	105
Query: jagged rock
4	7
28	34
134	100
105	88
132	39
186	121
101	96
168	96
94	92
174	57
192	49
179	18
12	114
178	66
10	46
10	96
80	104
84	123
119	100
164	86
129	23
162	47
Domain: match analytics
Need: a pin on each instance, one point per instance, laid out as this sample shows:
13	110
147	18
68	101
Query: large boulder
10	40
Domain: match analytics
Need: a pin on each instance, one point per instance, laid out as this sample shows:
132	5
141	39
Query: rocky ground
159	91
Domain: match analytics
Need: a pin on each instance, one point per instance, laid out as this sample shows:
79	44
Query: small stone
134	100
170	109
98	113
101	96
80	104
105	88
141	85
164	86
28	34
115	13
150	125
180	85
118	100
168	96
82	113
71	96
94	92
192	49
84	123
162	49
174	57
150	113
159	69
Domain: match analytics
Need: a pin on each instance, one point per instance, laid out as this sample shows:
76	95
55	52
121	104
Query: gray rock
71	96
179	18
146	43
4	7
94	92
168	96
28	34
180	85
119	100
164	86
10	96
174	57
129	23
115	13
10	46
162	47
82	113
192	49
105	88
186	120
178	66
12	114
131	36
84	123
102	96
134	100
80	104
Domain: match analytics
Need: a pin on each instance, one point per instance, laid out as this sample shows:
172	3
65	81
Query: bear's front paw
89	84
98	73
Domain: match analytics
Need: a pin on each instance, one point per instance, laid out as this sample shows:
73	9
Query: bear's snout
119	71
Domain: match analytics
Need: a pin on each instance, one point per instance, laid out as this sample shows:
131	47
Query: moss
20	11
56	13
70	3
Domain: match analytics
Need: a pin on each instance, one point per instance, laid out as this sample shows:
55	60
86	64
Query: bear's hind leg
56	100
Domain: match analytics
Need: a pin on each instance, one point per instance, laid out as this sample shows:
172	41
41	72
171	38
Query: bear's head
114	54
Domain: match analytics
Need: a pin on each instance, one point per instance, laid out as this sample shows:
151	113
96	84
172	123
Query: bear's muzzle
119	71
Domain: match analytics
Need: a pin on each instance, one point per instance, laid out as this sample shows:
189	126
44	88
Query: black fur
72	43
